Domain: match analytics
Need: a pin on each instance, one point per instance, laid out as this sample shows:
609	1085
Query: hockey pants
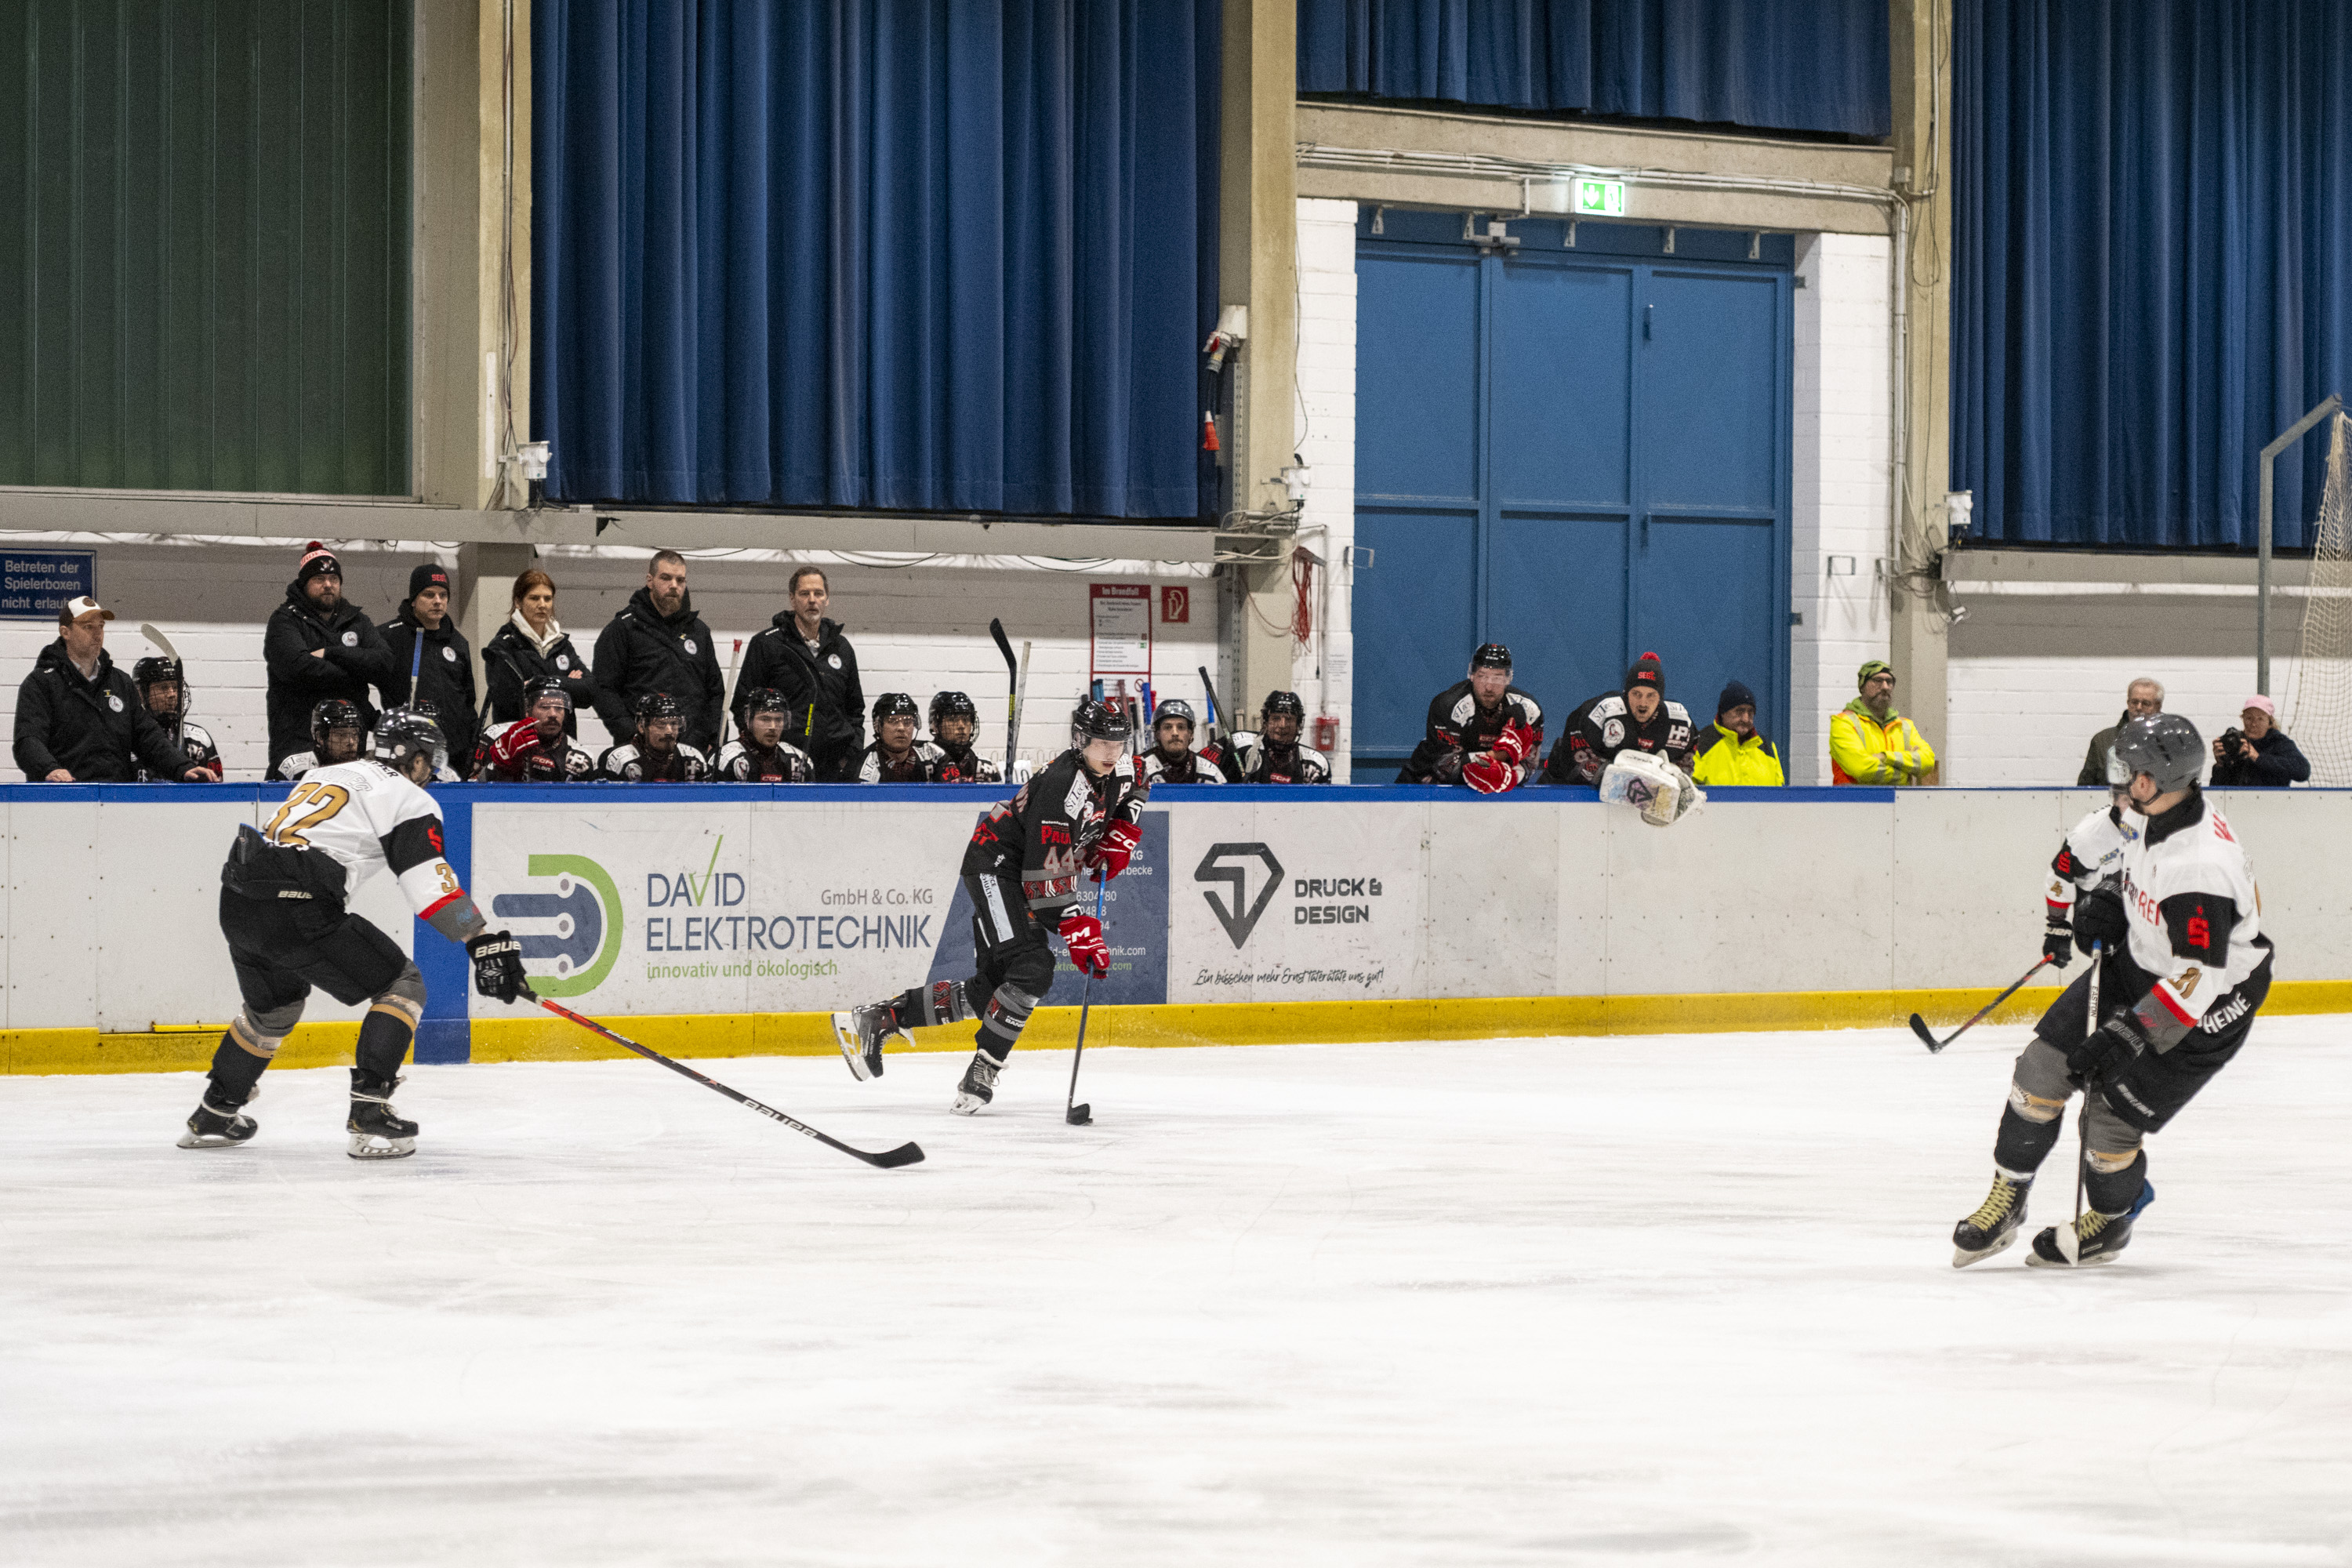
281	948
1015	970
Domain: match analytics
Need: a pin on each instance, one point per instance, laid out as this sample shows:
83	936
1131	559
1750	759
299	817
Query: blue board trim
445	1033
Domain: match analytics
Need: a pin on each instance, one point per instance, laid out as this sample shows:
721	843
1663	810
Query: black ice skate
2102	1235
377	1133
217	1126
861	1032
979	1085
1994	1225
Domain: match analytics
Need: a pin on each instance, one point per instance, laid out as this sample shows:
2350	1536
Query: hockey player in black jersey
762	756
338	734
1482	729
2187	968
1273	754
284	908
162	685
955	723
1171	759
1024	870
1638	719
895	757
657	755
536	748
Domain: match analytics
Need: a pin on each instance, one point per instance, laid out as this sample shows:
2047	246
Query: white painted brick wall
1322	672
920	629
1840	482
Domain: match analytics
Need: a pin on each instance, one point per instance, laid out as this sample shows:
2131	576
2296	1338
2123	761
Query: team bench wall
727	920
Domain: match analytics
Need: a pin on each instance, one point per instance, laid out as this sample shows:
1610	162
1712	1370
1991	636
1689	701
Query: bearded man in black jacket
658	644
319	645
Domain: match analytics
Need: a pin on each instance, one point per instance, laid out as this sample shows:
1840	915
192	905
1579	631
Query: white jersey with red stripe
2092	854
2196	918
366	817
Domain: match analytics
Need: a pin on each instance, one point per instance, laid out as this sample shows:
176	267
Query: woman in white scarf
532	645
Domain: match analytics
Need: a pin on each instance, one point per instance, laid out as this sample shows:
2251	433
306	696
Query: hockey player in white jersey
1171	759
284	909
338	734
762	756
2188	968
2091	857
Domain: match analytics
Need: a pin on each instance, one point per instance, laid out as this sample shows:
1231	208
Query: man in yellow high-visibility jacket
1870	743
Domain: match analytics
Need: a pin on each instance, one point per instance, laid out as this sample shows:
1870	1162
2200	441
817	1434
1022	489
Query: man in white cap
2258	755
80	719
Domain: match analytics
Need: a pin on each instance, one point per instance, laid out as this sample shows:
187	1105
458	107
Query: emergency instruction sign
35	584
1122	628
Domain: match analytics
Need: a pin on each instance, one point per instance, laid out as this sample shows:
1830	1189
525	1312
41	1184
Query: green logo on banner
584	953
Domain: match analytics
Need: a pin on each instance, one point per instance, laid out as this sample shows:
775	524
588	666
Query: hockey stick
1919	1024
889	1159
1012	691
1209	690
726	696
161	641
2069	1240
1079	1115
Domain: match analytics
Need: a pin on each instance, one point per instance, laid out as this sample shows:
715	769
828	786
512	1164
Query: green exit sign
1598	198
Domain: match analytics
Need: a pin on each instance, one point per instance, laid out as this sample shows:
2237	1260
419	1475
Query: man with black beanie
317	646
432	662
1637	718
1733	751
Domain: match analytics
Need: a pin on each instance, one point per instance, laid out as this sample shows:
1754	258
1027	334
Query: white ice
1663	1300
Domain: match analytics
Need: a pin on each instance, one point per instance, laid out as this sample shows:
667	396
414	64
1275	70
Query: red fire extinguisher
1327	731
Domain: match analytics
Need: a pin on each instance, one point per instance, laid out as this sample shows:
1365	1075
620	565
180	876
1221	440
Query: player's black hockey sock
2114	1192
2021	1145
383	1041
236	1068
945	1002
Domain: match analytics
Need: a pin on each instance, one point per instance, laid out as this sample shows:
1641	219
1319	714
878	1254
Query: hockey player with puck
338	734
1637	718
762	756
285	899
1482	731
895	757
955	724
1023	872
1171	759
658	753
162	685
535	749
1273	754
2187	968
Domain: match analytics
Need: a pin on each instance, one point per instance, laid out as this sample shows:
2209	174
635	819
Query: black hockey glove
1447	769
497	965
2058	940
2105	1055
2099	918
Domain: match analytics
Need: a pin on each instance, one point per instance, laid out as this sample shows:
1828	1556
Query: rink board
729	920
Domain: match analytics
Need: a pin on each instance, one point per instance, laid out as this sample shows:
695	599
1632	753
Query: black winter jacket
2278	763
641	650
510	662
828	719
355	660
444	678
96	729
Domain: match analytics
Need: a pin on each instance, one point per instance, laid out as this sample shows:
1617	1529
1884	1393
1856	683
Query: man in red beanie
1636	719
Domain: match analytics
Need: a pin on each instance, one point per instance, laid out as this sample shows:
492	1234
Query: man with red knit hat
317	645
1637	718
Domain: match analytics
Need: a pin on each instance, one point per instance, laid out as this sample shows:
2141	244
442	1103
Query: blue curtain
926	254
1786	64
2152	261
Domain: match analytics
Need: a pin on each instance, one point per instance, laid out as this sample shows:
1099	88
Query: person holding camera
2258	755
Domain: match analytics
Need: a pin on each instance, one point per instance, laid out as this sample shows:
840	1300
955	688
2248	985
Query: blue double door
1582	452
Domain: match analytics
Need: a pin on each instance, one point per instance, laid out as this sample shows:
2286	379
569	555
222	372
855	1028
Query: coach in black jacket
78	728
658	644
804	656
442	672
316	646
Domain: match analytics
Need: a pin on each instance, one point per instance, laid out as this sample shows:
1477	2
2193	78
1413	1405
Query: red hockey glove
1082	935
1109	858
1492	774
1516	743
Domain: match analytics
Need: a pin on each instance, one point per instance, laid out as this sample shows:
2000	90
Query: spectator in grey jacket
2142	699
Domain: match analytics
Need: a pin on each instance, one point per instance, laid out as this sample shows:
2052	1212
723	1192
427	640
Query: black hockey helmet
656	705
767	700
154	669
1491	656
1174	708
2166	747
545	686
896	705
403	732
334	713
1283	702
1095	719
952	705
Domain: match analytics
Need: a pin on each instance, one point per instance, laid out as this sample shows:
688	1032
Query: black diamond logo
1239	917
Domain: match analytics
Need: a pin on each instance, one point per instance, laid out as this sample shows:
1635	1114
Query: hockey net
2318	707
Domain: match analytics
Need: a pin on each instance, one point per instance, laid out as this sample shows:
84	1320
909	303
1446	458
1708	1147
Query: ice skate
862	1032
377	1132
979	1085
216	1127
2102	1235
1994	1225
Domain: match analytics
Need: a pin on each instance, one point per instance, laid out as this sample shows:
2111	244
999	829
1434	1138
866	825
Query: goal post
2318	707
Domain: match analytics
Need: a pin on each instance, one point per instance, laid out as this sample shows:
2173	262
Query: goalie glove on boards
1083	935
1109	858
497	965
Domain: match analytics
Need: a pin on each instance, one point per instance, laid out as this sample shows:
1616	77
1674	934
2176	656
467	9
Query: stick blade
1080	1115
1926	1037
891	1159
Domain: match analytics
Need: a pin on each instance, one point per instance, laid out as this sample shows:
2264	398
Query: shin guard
2112	1183
385	1035
238	1062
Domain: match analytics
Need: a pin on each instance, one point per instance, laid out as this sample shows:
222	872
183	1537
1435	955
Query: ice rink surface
1654	1300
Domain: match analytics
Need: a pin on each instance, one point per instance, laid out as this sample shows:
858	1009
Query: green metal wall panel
204	244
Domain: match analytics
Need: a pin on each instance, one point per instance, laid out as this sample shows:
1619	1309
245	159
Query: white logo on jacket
351	639
114	702
449	653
